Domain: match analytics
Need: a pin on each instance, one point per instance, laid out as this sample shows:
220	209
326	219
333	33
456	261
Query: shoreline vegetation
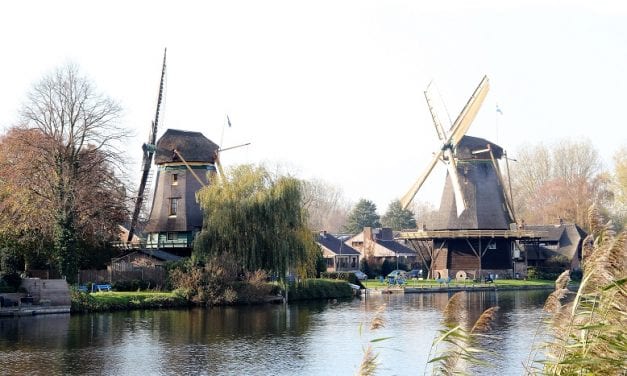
241	293
273	293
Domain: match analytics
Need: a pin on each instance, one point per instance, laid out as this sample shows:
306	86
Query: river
312	338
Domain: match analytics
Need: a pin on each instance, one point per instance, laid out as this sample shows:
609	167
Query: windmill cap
192	146
470	147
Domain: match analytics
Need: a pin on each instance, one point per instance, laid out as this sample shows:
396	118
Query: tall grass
456	346
588	326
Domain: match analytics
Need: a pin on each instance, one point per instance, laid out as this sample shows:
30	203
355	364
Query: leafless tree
325	204
74	149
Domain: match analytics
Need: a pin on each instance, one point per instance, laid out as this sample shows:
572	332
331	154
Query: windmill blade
409	196
147	158
460	203
436	121
468	113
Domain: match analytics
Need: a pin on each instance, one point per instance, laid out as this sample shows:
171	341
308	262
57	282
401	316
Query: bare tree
77	142
557	182
325	204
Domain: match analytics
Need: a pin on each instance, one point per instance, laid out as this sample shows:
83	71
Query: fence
156	277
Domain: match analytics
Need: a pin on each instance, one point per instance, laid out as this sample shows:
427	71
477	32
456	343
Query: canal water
313	338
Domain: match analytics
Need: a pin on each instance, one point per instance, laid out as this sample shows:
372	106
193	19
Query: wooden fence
155	276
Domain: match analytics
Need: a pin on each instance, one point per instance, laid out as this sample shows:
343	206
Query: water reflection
307	338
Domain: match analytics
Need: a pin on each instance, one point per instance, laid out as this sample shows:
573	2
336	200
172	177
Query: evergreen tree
364	214
398	218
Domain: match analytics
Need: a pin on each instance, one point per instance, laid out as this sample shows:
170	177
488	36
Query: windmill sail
149	150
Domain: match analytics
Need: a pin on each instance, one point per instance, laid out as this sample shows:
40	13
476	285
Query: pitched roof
193	146
395	248
569	236
335	245
161	255
157	254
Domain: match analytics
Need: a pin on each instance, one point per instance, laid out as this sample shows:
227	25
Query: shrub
345	276
204	285
319	289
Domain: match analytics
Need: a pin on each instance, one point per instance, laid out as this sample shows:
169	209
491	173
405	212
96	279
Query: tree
326	207
257	221
66	151
557	182
398	218
364	214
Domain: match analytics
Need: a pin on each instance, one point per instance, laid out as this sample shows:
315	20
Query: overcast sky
333	90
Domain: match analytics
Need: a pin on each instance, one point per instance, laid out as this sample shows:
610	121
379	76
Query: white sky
333	89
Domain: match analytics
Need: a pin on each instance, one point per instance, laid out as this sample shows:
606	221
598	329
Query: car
397	274
415	273
359	274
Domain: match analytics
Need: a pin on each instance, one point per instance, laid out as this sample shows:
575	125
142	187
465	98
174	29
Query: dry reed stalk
484	322
377	321
368	365
454	310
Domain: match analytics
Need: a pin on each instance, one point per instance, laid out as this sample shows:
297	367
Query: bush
544	273
345	276
319	289
204	285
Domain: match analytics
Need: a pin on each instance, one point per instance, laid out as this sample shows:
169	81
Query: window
174	203
175	179
171	236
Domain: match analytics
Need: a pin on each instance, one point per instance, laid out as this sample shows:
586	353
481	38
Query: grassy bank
375	283
119	301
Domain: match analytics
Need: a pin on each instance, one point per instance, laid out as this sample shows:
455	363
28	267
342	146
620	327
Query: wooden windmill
474	196
472	232
185	161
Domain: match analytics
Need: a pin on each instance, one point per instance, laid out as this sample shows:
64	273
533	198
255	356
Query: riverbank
310	289
433	286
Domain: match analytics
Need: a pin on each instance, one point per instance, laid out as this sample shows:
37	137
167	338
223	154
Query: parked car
415	273
360	275
397	274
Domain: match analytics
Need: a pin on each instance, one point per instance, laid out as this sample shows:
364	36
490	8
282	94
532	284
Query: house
379	243
143	258
564	239
338	256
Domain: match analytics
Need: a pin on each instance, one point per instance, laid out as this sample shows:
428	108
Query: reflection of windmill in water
185	162
471	234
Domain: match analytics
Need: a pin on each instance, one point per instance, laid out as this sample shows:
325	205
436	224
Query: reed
369	363
588	332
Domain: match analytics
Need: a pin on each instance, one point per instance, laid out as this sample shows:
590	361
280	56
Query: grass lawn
375	283
118	300
121	297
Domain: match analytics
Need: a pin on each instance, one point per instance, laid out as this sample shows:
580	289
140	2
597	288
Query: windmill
449	141
148	152
471	232
185	161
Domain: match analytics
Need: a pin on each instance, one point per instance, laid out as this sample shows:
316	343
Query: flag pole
222	135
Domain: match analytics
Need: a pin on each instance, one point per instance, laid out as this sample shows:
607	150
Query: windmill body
486	206
175	215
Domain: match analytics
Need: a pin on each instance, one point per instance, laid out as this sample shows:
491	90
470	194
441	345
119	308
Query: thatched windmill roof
193	146
481	187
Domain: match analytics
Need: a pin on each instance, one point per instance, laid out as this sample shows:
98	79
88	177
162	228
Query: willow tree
256	220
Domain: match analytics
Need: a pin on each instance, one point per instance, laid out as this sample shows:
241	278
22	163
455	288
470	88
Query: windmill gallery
475	232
